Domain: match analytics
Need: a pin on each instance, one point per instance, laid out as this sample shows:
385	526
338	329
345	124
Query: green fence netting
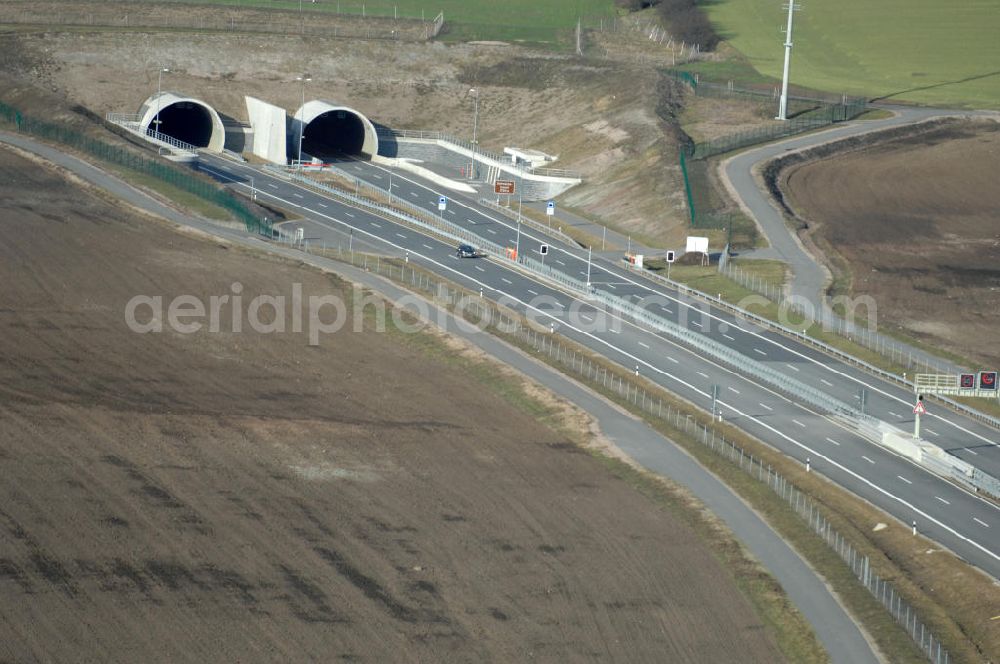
806	114
121	156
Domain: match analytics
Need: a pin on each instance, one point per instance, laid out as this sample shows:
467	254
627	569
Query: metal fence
847	414
130	159
133	123
708	210
527	221
701	343
631	390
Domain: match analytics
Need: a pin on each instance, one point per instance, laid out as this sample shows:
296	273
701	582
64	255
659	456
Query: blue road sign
442	203
550	208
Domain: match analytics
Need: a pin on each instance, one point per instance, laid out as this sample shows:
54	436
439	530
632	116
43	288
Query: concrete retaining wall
437	151
270	133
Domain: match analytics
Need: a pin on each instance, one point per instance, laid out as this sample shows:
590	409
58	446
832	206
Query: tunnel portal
335	133
186	122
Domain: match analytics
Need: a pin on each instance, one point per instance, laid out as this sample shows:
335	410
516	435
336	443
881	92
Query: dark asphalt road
957	519
834	627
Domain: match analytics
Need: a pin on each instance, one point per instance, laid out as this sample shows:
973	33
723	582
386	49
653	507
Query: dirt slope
915	219
598	115
246	497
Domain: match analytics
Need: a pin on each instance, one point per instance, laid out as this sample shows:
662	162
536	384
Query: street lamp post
475	131
302	111
159	88
517	243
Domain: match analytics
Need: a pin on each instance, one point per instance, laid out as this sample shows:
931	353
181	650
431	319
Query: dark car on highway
468	251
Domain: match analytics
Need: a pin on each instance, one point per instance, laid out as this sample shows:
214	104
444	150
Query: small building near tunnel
331	130
185	119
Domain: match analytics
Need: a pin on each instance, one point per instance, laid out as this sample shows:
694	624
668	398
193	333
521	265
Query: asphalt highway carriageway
962	436
959	520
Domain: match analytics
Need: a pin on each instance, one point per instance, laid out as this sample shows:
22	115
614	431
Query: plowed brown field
917	220
244	497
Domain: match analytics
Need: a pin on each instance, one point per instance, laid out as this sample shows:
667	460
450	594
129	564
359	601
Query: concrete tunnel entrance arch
331	131
186	119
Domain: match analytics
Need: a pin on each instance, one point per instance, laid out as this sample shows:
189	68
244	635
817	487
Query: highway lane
944	512
962	436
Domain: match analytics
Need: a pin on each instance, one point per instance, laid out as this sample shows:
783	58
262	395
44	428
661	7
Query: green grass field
924	51
536	21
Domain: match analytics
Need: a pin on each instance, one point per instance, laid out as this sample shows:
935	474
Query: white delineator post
783	103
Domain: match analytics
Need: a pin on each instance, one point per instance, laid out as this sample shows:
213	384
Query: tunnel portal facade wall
186	119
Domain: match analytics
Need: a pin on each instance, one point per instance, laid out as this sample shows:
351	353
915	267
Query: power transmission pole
783	104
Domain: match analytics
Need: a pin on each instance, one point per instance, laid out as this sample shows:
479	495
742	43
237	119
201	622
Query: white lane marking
904	479
491	231
532	292
728	337
297	195
376	176
375	224
765	406
272	185
321	205
427	246
351	215
799	423
560	262
942	500
931	431
480	269
867	459
451	212
791	366
826	382
669	311
694	322
832	462
612	286
895	414
972	451
400	235
414	194
672	360
732	389
831	440
981	523
587	317
643	344
758	350
703	374
648	287
506	281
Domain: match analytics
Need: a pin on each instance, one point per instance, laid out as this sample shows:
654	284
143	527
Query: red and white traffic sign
919	408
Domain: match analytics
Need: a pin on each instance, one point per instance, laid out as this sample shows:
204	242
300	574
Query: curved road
808	278
835	629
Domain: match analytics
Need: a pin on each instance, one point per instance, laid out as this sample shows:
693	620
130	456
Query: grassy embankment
921	51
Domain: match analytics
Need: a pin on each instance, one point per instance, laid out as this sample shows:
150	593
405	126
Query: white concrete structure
269	124
336	126
529	158
184	118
